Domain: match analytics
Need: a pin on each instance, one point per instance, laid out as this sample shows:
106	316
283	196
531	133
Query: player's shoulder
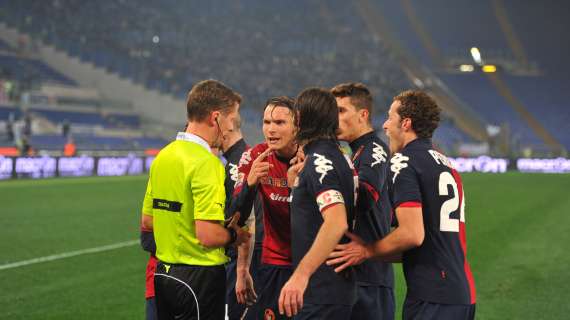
260	147
325	147
252	153
375	151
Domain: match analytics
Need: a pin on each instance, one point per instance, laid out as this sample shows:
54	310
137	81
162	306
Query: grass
516	227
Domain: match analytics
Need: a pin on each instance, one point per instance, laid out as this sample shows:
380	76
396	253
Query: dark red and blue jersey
232	156
373	210
328	178
437	271
274	193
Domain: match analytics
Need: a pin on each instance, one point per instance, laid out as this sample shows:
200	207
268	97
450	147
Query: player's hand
245	291
349	254
291	297
243	234
297	164
259	168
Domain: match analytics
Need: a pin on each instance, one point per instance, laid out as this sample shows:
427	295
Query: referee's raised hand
259	168
242	234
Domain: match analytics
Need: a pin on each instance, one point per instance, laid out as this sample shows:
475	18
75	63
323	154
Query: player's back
438	270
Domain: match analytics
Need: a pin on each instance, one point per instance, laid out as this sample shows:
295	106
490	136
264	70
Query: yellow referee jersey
186	183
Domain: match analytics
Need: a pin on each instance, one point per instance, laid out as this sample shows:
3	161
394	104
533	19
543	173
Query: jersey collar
237	147
185	136
419	143
362	140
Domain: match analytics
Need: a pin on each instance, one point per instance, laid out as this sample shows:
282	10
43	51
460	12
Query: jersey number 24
446	223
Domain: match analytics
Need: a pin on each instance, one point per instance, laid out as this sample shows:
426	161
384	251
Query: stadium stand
281	43
525	95
280	48
30	70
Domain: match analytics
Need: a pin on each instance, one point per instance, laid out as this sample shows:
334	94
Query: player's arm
372	175
250	173
147	235
330	233
245	291
368	193
409	234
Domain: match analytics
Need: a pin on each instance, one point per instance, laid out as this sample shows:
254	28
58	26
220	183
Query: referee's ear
213	119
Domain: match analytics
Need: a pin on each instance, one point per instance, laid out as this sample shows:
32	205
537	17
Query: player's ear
364	115
407	124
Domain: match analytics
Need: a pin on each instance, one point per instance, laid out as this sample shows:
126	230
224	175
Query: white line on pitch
69	254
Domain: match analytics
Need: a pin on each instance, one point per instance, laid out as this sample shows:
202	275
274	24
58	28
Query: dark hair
421	109
285	102
281	101
358	93
208	96
317	113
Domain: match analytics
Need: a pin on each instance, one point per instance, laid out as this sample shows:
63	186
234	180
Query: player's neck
409	137
363	131
288	152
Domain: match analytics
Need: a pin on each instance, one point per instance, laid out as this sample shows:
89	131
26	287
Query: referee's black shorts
190	292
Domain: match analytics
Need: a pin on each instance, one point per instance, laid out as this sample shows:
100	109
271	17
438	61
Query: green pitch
517	230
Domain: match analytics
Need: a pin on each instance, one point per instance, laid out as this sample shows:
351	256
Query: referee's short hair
208	96
318	115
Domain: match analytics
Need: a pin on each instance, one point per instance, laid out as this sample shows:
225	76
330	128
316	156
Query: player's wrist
251	181
368	251
242	271
301	274
232	236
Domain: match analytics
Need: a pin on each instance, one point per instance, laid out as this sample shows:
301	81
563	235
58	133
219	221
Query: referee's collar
185	136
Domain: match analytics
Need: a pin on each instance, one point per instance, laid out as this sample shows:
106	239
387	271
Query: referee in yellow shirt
184	204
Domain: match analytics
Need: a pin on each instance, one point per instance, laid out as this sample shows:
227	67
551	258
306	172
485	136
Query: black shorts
422	310
324	311
271	279
190	292
373	302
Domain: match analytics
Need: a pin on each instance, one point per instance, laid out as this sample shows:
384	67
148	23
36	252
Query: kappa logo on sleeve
378	154
398	162
245	158
234	173
323	165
